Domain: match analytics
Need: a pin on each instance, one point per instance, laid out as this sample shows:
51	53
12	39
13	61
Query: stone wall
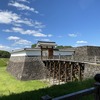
90	70
81	54
93	51
87	53
15	66
26	68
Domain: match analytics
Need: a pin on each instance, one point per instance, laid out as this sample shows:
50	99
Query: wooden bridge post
53	71
59	70
71	73
47	68
79	71
49	71
65	71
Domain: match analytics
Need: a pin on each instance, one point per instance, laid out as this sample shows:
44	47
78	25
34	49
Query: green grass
9	85
12	89
3	62
53	91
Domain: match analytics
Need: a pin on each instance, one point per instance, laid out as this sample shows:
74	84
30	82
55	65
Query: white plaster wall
38	53
56	52
27	53
33	53
20	53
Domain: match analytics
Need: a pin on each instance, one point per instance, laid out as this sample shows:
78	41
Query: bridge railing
76	95
65	57
91	59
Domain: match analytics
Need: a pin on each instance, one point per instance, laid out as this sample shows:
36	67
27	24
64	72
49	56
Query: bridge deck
64	60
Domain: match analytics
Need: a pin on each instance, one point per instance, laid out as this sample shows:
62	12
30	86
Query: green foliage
63	47
3	62
33	46
4	54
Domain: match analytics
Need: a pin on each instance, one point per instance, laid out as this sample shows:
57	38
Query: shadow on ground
53	91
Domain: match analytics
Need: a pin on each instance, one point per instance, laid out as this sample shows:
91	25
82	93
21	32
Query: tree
33	45
4	54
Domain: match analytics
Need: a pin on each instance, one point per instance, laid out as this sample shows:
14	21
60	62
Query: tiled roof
47	43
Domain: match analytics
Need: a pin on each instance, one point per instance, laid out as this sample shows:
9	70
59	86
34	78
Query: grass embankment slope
12	89
9	85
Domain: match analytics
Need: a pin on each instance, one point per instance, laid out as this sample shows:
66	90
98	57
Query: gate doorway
47	49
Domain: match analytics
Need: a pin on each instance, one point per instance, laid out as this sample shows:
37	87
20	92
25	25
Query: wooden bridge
63	71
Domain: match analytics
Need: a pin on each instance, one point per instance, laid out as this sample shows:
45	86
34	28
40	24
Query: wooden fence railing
74	96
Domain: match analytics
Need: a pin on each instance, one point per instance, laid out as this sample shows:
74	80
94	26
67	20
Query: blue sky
67	22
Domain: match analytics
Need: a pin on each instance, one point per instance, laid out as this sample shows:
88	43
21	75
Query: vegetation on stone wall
4	54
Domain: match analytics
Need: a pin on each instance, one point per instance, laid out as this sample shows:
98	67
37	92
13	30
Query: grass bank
9	85
4	62
53	91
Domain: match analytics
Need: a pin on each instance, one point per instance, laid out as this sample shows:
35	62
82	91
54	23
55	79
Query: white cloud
7	17
26	21
25	13
4	47
45	39
19	41
6	30
22	6
81	42
38	24
28	32
72	35
18	25
24	1
22	42
13	38
49	35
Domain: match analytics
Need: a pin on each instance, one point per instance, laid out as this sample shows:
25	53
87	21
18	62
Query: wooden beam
59	70
53	71
79	71
49	71
71	72
65	71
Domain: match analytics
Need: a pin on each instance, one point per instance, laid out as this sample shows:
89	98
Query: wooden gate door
50	53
